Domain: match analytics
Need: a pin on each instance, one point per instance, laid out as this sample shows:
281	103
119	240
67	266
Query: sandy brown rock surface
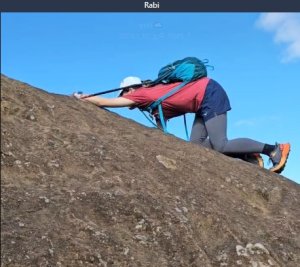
81	186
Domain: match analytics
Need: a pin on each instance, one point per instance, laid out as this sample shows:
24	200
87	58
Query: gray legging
213	134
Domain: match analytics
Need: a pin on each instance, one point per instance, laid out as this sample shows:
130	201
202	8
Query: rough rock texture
82	186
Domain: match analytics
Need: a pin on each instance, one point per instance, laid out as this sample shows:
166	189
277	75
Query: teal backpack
185	71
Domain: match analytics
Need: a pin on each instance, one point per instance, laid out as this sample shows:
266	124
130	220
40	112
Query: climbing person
207	99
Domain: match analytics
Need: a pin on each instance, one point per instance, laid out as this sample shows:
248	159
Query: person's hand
87	98
80	96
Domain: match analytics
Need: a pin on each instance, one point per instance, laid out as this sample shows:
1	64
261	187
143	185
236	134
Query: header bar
150	6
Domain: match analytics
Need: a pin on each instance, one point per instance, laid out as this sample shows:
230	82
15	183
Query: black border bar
138	6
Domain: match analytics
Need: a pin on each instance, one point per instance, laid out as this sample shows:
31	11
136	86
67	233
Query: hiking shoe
279	157
254	158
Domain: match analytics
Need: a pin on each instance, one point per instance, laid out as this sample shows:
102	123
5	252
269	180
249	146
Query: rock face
82	186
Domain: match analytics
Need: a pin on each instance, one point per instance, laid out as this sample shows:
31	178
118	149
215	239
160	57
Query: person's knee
194	141
198	140
202	142
219	146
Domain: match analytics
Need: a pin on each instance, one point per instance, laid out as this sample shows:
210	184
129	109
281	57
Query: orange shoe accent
260	161
285	150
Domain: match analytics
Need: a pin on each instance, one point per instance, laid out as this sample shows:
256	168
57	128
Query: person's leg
213	110
218	128
217	131
199	136
199	133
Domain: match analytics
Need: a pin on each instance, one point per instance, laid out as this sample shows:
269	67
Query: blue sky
256	58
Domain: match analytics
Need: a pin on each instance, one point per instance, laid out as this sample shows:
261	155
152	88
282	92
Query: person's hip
215	101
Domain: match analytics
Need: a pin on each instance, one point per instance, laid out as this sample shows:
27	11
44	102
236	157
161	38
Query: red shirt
187	100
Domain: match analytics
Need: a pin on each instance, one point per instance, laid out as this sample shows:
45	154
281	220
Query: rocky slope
82	186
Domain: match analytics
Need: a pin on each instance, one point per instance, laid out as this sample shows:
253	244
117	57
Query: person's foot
254	158
279	157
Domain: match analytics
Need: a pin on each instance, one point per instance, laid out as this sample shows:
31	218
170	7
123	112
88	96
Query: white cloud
249	123
254	122
286	29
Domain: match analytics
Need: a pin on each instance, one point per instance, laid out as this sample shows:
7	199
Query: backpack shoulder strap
156	103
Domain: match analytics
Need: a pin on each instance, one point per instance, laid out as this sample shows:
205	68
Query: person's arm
107	102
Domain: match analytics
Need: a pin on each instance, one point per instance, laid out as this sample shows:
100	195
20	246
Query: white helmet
129	81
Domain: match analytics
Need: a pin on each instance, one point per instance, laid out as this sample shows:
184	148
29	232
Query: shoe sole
254	159
260	162
285	154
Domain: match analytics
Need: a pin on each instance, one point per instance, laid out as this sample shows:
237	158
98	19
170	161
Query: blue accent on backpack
185	70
